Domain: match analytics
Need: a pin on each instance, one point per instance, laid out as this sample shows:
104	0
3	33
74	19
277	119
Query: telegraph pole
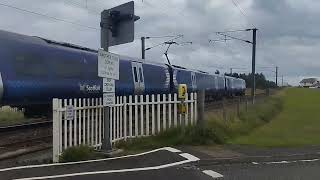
282	81
143	48
230	71
253	42
276	76
254	39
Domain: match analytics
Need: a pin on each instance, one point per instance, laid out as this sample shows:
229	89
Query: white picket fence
132	116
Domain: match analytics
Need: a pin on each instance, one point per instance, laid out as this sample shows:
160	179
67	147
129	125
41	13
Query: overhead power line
236	4
237	30
163	43
226	35
47	16
75	4
166	36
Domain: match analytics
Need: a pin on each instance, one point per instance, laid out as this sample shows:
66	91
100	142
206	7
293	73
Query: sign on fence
108	85
69	113
108	99
108	65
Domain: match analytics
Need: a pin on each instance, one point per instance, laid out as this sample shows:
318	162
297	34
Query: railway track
26	126
23	139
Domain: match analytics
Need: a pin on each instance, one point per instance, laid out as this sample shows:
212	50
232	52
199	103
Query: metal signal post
254	38
117	27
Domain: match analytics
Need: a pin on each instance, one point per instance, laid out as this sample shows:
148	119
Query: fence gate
80	121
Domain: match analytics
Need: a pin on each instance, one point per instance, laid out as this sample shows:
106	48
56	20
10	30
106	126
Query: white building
309	82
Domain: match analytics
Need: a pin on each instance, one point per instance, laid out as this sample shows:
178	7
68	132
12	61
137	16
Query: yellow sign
182	108
182	91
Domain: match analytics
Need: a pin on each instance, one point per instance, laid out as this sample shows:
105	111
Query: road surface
167	163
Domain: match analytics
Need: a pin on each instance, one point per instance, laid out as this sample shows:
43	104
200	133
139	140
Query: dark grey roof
309	80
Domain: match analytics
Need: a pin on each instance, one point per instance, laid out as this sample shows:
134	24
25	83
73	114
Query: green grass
79	153
8	117
298	123
216	130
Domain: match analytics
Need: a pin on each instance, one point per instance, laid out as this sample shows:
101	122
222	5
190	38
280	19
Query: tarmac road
164	163
169	163
278	170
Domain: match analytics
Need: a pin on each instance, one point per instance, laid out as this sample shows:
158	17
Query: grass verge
79	153
8	117
216	131
298	124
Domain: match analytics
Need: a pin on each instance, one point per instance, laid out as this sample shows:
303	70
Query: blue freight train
34	70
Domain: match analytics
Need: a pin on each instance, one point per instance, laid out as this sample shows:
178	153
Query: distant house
309	82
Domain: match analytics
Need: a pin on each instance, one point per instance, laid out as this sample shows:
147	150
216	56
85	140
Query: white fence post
196	108
153	131
100	122
136	116
175	109
112	124
84	123
130	116
70	127
60	126
164	113
80	123
147	116
141	116
169	111
125	122
56	130
158	113
121	120
75	126
186	116
191	109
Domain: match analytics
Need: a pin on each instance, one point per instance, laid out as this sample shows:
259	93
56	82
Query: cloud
288	34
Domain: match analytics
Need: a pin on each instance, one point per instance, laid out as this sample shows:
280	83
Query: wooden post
200	105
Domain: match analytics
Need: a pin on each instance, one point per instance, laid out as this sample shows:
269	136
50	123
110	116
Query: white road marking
311	160
287	162
278	162
213	174
189	157
174	150
170	149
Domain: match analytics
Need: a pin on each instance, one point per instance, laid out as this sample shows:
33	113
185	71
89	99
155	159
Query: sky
288	31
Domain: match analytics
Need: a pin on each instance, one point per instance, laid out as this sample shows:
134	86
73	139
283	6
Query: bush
8	117
79	153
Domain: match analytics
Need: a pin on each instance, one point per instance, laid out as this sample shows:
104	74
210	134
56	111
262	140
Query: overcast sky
288	34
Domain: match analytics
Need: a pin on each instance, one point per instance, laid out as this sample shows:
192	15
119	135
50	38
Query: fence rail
130	117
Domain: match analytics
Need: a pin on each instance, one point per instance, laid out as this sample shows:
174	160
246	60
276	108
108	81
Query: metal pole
253	89
106	143
230	71
143	48
276	76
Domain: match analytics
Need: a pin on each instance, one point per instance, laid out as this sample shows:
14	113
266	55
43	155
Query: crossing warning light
182	91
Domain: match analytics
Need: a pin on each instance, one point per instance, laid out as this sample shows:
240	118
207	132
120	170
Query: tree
261	81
